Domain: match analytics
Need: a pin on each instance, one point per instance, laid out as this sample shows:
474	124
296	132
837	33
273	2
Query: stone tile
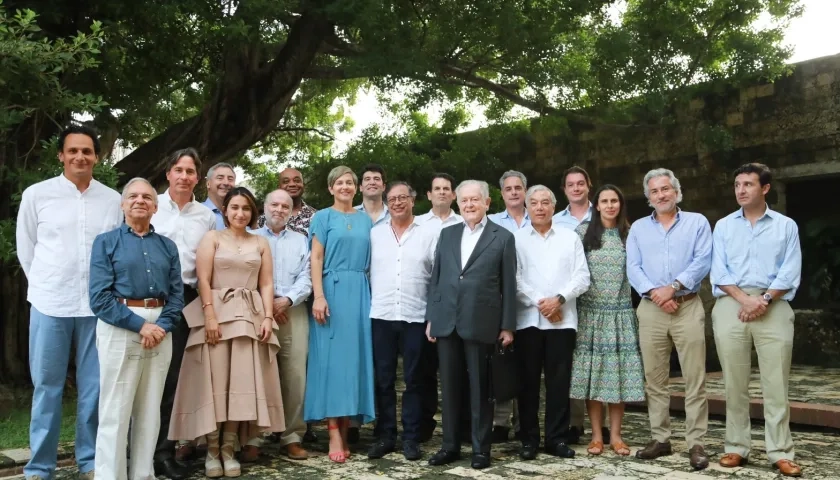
19	455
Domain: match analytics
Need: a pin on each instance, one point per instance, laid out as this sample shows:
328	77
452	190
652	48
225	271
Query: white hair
482	186
139	180
539	188
279	191
662	172
212	170
513	173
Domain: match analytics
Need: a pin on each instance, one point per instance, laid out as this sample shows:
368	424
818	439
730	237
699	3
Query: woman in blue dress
339	382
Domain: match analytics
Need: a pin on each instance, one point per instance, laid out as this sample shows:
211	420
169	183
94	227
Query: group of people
209	326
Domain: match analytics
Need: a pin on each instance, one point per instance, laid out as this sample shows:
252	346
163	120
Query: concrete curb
13	460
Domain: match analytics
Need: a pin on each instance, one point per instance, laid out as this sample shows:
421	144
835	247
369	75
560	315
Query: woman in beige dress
229	379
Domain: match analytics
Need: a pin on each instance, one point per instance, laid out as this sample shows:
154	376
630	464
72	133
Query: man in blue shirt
137	293
668	255
756	269
220	180
372	188
576	186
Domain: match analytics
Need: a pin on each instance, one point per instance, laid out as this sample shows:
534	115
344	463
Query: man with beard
292	286
185	221
291	181
668	255
220	179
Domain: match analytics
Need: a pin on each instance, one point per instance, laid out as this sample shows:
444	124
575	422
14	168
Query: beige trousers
291	359
772	335
684	329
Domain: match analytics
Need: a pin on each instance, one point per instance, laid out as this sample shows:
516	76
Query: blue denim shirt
126	265
220	218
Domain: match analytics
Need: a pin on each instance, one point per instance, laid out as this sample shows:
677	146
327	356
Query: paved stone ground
816	451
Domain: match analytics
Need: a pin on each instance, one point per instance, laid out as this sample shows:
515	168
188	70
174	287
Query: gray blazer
480	300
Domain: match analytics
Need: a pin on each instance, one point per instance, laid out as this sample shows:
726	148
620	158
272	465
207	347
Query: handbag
504	384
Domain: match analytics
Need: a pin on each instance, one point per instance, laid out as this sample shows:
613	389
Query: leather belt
142	302
681	299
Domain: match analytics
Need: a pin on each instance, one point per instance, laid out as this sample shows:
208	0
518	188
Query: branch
304	129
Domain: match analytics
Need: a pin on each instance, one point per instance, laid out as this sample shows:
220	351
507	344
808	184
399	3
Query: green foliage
823	270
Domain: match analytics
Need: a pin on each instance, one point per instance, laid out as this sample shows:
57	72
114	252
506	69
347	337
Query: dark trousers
165	448
549	350
429	383
463	363
389	337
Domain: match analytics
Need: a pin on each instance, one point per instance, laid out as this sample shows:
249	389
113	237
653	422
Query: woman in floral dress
607	365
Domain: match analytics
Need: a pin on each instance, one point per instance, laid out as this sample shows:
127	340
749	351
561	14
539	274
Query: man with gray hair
220	180
551	272
668	255
292	286
137	293
472	305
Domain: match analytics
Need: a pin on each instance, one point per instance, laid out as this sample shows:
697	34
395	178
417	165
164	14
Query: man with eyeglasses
137	293
400	270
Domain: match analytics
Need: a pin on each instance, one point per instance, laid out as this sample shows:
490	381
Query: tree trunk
14	326
249	102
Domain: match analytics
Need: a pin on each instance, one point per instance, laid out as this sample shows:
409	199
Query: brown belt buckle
147	301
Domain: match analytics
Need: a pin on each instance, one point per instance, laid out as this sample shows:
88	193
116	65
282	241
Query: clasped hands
663	297
551	308
151	335
752	308
281	310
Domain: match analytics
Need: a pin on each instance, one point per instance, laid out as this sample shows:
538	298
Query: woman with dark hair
229	373
607	365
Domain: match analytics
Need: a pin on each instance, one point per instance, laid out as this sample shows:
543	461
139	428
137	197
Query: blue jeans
50	339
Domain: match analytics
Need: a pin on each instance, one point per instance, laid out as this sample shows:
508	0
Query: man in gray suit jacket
472	304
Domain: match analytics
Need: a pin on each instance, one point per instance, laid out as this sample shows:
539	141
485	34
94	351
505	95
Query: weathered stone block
735	119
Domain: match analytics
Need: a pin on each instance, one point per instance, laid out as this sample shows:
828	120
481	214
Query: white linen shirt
56	225
186	227
291	257
400	272
431	219
546	267
469	239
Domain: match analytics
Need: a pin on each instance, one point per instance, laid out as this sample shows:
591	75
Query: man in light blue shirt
576	186
515	216
372	186
292	286
668	255
756	269
220	180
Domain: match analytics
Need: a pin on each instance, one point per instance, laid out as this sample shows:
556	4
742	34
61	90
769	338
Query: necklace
238	244
347	222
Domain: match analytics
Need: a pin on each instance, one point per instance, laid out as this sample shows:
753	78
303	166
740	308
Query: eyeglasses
399	198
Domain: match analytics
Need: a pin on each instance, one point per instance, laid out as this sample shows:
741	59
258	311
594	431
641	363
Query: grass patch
14	422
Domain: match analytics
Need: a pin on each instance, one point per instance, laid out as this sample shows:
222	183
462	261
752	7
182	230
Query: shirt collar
127	229
654	220
551	231
482	224
67	183
166	198
212	206
768	212
505	214
275	235
567	212
361	207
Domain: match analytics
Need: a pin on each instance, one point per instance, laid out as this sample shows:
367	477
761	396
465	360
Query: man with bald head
291	181
292	286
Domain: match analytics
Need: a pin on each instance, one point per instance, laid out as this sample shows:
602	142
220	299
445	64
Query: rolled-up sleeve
790	271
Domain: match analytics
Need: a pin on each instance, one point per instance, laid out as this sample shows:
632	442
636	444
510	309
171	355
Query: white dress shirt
433	220
546	267
186	227
56	225
469	239
290	254
400	271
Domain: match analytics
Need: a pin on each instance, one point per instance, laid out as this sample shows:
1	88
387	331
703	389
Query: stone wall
792	125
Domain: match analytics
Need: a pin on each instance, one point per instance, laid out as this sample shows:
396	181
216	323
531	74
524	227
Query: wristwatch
767	298
676	286
562	299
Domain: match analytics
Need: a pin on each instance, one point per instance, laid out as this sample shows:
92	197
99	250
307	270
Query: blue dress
339	380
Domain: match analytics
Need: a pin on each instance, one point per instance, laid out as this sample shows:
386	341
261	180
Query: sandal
337	457
595	447
620	448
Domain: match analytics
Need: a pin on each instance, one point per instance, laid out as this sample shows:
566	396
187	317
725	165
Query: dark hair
444	176
399	183
576	169
372	167
595	231
173	158
760	169
252	202
81	130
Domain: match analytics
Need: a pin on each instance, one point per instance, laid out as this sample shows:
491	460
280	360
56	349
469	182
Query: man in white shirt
372	179
292	286
56	224
441	194
185	221
220	180
551	273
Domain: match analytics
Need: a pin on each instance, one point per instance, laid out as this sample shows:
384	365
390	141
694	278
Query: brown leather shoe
788	468
295	451
184	452
249	454
697	457
732	460
654	450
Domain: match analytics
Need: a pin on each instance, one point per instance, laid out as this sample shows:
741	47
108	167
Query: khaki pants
294	348
685	330
772	335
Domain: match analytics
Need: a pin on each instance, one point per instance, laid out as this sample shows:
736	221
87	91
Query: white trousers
131	380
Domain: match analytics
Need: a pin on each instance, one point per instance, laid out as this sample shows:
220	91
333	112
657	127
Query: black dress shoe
480	460
443	457
380	449
169	468
353	435
499	435
411	451
575	434
309	436
560	450
528	452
